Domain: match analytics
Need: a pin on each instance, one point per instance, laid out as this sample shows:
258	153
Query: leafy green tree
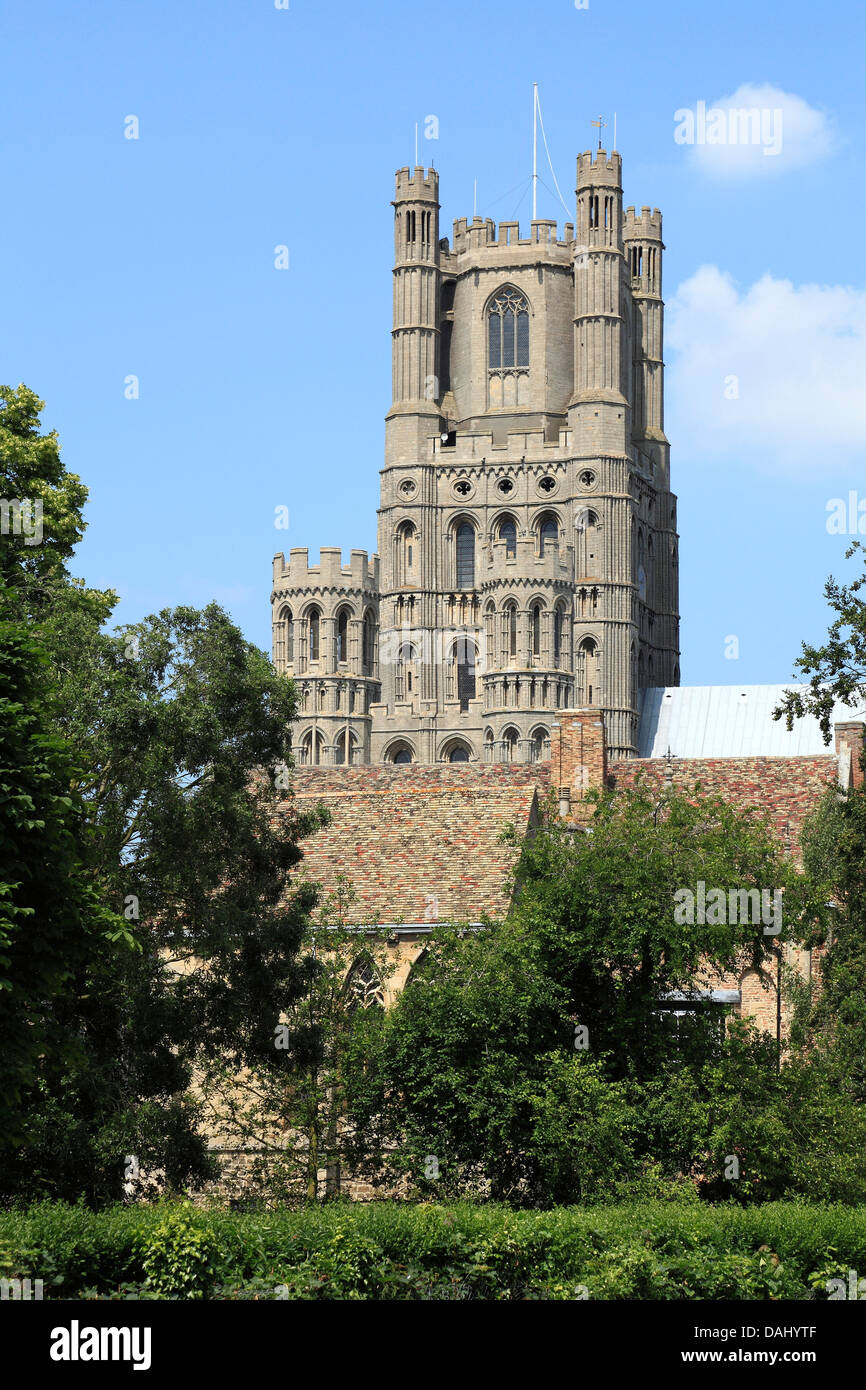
504	1030
288	1105
51	918
836	671
33	474
180	731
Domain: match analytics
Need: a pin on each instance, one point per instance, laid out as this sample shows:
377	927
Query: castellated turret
325	635
527	531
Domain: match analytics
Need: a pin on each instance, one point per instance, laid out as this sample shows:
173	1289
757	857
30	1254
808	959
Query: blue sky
260	387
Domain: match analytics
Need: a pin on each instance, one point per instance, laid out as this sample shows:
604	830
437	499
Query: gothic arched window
540	745
509	748
465	551
342	635
313	621
535	625
548	534
369	642
508	533
508	330
364	989
407	553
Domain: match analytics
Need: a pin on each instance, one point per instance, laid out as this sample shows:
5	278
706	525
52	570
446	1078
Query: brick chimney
578	757
849	751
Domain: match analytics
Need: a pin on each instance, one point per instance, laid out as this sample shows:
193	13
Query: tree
51	919
836	670
181	738
518	1056
288	1105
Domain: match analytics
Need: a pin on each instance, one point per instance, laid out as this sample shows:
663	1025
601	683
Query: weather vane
601	124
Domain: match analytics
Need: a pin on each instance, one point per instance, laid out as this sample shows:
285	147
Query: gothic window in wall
312	748
369	642
342	635
588	673
464	542
560	653
457	753
587	528
540	745
508	348
364	988
508	533
284	639
548	535
460	682
400	753
509	745
314	627
342	736
535	628
488	746
405	674
407	554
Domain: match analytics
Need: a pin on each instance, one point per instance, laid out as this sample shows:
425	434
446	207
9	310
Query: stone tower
527	531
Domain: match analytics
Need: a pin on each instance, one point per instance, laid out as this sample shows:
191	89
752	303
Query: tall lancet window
508	330
465	546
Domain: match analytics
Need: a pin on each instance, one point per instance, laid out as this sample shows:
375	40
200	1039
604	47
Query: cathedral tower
527	531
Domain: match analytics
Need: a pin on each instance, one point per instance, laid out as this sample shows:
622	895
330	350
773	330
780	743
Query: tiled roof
418	844
784	790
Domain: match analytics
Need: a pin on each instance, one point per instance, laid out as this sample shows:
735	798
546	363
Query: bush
658	1249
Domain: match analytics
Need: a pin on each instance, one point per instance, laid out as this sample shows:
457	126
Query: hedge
649	1250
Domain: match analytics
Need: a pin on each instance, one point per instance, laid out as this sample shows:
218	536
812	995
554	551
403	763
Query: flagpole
534	150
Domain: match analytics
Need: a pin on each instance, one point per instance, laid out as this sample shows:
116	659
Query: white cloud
775	373
758	130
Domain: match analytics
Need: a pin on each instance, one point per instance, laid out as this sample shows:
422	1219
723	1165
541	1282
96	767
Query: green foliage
31	469
180	1259
179	730
51	918
481	1064
394	1251
836	671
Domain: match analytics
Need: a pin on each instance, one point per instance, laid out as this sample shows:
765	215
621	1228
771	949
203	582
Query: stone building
527	532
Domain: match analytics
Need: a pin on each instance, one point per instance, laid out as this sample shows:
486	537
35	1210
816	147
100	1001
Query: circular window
505	485
463	487
546	485
408	488
587	478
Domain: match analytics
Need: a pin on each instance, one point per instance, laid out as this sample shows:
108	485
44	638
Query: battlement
646	224
599	167
362	572
417	184
482	232
480	449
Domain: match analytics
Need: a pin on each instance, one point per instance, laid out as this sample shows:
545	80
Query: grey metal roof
727	721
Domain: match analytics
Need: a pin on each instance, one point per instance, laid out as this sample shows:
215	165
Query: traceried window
508	330
364	988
